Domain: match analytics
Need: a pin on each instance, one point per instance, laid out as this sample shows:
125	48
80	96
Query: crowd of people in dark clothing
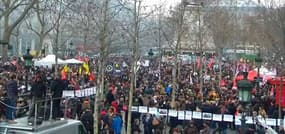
153	89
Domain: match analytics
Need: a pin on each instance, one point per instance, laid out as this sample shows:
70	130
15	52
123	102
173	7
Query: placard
249	120
237	120
88	91
162	112
197	115
270	121
280	122
134	108
78	93
152	110
67	93
188	115
143	109
172	113
217	117
228	118
207	116
181	115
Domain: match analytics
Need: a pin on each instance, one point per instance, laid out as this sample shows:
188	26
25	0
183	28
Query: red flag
211	63
278	83
198	63
92	77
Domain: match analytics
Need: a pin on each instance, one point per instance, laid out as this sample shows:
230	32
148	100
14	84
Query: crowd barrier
189	115
181	115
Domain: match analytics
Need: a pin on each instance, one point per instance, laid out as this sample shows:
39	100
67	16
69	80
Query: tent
49	60
73	61
265	73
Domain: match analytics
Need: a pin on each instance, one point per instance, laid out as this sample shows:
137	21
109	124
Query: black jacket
57	86
87	120
38	89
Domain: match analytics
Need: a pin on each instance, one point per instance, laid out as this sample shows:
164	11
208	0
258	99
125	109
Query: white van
47	127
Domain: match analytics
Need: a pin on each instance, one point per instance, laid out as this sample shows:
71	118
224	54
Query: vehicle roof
22	124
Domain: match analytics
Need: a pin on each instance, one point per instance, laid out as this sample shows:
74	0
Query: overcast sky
168	3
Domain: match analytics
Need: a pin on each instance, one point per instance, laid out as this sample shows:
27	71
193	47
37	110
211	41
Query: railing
35	117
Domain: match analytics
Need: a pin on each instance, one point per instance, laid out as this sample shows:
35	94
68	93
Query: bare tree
219	22
44	15
12	7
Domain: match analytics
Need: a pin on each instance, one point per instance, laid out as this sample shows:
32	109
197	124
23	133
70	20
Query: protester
198	89
38	93
88	120
117	124
57	87
12	96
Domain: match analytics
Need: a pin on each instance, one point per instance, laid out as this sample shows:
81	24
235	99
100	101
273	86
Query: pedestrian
57	87
147	121
117	124
12	96
38	93
136	127
88	120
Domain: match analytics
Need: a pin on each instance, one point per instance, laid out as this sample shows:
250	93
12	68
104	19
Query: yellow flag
66	69
80	70
86	67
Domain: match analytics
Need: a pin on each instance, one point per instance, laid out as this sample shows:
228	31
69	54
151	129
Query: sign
249	120
197	115
228	118
79	93
134	108
270	122
109	68
162	112
217	117
172	113
143	109
207	116
237	120
181	115
188	115
67	93
152	110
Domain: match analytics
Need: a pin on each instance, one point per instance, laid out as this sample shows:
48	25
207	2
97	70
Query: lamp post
150	54
244	95
28	64
69	50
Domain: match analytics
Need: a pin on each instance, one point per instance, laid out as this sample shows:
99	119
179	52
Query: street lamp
244	95
28	64
69	49
150	53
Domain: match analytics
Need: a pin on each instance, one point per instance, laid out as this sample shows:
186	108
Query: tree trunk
6	38
5	44
101	79
99	93
134	65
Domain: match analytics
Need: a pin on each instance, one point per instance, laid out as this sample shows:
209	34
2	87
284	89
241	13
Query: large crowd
153	89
